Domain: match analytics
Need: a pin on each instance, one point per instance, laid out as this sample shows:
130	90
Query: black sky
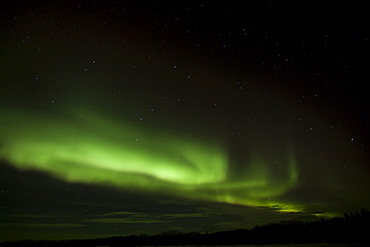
261	84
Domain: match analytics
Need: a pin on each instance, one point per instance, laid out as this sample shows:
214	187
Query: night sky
137	117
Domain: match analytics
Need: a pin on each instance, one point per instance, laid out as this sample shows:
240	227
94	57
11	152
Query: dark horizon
352	229
131	117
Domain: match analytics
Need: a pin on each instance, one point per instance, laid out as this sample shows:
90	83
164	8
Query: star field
125	117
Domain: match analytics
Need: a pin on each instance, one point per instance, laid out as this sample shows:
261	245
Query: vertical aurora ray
95	149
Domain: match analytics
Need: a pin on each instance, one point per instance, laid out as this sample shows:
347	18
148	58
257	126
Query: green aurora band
94	149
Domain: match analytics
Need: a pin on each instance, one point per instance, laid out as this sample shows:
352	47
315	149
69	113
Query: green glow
328	215
91	148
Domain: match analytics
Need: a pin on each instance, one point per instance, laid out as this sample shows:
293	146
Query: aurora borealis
87	150
121	118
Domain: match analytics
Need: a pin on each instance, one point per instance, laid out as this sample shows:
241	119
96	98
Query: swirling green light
93	149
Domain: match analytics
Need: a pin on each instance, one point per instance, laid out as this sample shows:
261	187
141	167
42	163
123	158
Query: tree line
352	228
